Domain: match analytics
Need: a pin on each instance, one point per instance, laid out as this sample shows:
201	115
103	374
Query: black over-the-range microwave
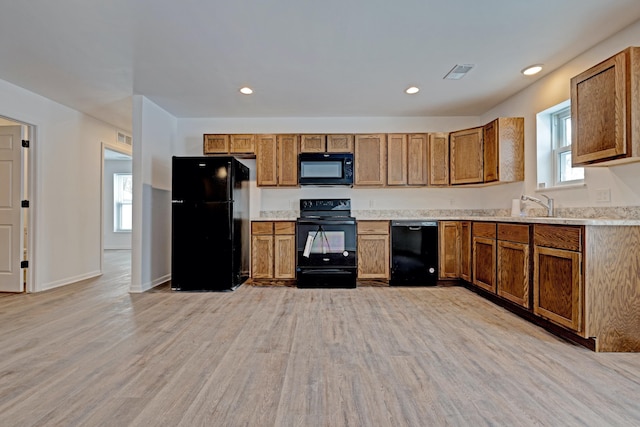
325	169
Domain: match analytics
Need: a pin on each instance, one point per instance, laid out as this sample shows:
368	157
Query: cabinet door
449	256
484	263
557	286
466	156
513	272
216	144
262	256
599	113
337	143
465	251
417	147
266	161
370	160
373	256
284	256
288	160
312	143
438	159
490	151
242	144
397	159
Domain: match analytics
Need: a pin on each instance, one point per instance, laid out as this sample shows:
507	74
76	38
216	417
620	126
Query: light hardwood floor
91	354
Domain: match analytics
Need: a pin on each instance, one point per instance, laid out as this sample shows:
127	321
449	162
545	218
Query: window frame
119	202
561	144
553	142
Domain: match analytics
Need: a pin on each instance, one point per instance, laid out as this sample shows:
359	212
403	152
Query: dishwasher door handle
415	228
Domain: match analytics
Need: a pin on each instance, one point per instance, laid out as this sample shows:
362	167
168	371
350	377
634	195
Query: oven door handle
321	222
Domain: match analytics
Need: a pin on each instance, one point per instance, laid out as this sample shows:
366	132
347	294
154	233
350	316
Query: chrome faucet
548	205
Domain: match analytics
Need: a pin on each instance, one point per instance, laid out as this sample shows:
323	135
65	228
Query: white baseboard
67	281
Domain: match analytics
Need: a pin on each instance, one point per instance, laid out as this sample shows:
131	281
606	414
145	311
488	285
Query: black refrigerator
210	236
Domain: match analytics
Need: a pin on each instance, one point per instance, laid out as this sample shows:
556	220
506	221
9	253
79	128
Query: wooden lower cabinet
273	250
514	263
484	255
465	251
557	274
558	286
449	252
373	250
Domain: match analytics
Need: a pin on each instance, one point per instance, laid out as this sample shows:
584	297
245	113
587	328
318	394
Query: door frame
27	192
118	149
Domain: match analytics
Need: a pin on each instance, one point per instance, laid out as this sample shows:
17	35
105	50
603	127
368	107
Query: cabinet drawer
373	227
284	227
558	236
518	233
262	227
484	229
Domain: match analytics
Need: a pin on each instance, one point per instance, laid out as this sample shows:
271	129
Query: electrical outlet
603	195
372	203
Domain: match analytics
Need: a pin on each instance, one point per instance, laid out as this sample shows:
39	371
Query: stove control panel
325	204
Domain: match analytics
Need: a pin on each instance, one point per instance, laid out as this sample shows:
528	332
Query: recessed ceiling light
411	90
532	69
246	90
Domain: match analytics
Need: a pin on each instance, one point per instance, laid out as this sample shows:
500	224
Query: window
122	202
554	148
561	142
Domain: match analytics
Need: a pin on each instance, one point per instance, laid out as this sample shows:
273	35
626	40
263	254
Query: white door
10	210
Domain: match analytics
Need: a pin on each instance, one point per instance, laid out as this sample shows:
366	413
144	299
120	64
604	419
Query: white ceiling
304	58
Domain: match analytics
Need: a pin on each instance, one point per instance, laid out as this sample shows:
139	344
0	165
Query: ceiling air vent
459	71
124	139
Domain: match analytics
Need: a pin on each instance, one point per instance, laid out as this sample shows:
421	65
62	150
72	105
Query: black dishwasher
414	253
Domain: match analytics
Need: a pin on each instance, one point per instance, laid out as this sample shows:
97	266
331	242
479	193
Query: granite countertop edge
385	216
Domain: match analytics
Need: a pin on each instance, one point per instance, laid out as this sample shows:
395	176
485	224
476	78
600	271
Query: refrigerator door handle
230	179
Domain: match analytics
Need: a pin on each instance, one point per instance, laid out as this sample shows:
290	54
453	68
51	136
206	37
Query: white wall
551	90
154	131
66	163
113	240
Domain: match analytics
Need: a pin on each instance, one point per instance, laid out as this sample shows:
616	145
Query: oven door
326	243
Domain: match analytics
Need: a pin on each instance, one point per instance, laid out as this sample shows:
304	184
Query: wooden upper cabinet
438	159
287	160
313	143
396	159
467	157
266	160
229	144
340	143
216	144
242	144
331	143
605	121
466	151
417	164
370	159
406	159
504	150
417	148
